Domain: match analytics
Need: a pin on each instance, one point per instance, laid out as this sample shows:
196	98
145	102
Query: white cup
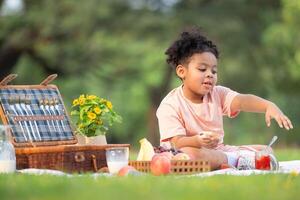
210	134
116	158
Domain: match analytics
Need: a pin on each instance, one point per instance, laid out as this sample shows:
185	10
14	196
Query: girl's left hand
273	112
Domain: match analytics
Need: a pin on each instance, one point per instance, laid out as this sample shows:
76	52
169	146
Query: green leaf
87	123
82	113
74	112
86	108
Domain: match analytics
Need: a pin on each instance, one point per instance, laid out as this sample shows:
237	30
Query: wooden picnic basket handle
48	79
94	160
8	79
79	157
95	166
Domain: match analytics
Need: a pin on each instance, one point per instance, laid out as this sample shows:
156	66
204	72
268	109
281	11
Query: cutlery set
35	116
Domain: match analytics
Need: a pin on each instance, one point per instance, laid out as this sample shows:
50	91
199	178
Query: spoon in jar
273	140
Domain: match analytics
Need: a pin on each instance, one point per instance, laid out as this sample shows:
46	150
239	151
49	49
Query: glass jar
7	152
262	160
265	160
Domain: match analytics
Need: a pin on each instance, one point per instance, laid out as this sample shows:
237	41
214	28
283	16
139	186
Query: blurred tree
282	41
115	49
281	61
106	41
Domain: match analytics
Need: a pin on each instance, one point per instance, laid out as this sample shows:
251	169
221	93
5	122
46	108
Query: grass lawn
283	186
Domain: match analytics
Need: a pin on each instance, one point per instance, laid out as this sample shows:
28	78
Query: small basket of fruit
163	161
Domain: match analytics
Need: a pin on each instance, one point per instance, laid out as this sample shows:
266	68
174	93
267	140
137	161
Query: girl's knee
194	153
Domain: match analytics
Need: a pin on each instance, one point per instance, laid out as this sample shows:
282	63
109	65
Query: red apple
124	171
160	165
181	156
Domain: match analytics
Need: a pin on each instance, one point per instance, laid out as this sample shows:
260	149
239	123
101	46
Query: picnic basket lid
36	114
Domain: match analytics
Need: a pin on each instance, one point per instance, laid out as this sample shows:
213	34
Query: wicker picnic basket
41	132
178	167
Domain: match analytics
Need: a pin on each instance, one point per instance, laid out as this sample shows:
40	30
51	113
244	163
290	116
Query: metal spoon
274	163
273	140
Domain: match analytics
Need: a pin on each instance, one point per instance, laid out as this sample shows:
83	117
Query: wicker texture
72	159
177	166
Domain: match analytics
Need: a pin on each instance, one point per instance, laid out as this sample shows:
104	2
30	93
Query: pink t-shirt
179	116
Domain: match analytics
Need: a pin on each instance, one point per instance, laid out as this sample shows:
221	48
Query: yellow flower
109	104
81	101
90	112
294	173
97	110
75	102
91	115
91	97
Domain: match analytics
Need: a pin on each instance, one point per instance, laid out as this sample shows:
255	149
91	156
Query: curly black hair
190	42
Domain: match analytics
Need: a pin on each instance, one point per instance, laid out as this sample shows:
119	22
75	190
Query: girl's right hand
207	141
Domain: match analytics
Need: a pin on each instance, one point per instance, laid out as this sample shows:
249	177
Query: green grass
149	187
271	186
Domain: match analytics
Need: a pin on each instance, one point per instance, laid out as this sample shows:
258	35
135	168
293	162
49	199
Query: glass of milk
116	158
7	152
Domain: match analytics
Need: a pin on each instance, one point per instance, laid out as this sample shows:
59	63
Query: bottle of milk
7	152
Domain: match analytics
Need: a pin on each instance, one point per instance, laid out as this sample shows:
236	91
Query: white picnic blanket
285	167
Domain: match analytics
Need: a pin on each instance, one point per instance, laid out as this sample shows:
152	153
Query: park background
115	49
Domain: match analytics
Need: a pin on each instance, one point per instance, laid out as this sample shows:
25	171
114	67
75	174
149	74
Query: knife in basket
52	110
20	112
27	102
24	110
56	106
11	105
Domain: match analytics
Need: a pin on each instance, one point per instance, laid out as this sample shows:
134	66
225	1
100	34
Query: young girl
198	105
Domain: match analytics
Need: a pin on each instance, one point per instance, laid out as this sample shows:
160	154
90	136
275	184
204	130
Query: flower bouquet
93	115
